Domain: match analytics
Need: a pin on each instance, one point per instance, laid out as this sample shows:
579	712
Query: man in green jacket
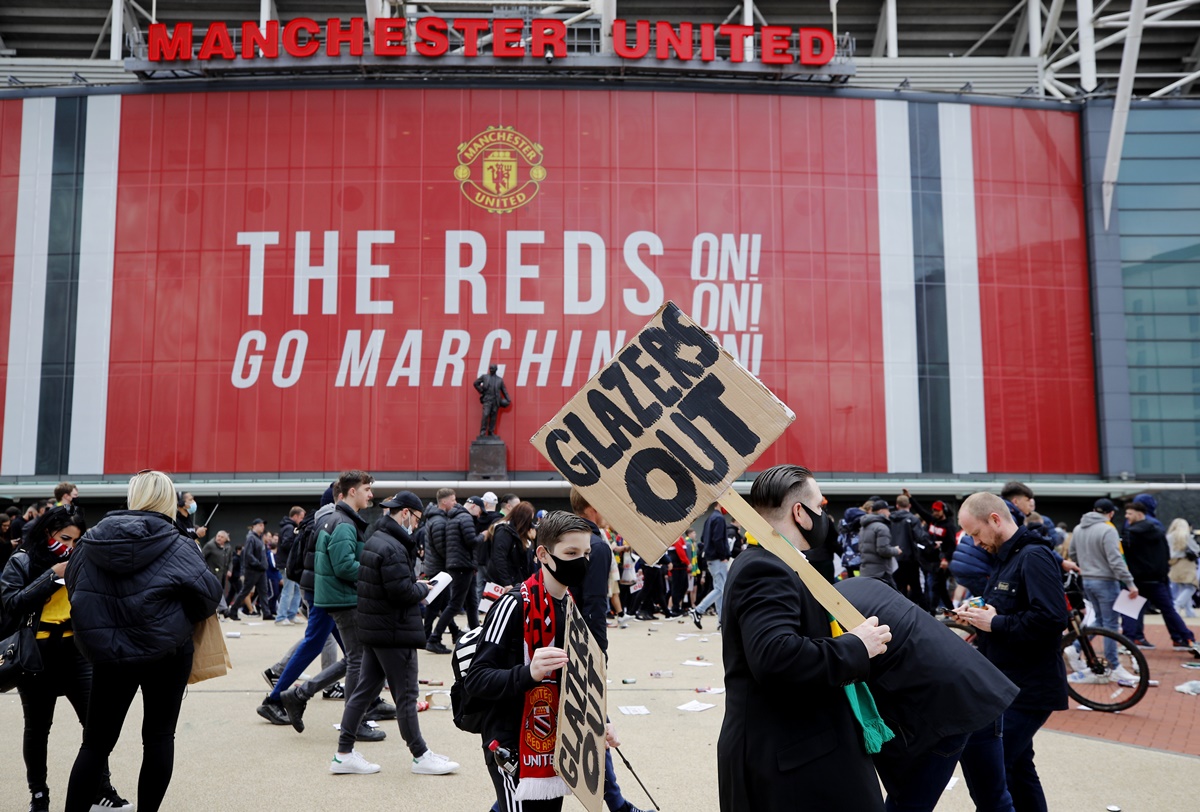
339	546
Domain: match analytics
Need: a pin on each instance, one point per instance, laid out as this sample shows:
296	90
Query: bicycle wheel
1094	682
965	632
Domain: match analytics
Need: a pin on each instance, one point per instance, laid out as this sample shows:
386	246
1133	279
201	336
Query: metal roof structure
980	46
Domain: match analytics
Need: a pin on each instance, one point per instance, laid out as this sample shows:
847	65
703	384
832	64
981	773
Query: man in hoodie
1096	548
943	532
451	528
1020	632
289	596
254	573
875	546
1148	555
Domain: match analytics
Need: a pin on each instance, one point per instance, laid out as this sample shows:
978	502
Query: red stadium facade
299	281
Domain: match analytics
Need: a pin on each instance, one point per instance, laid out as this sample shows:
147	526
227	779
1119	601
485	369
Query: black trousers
506	788
908	580
679	582
434	611
163	682
65	673
462	594
253	579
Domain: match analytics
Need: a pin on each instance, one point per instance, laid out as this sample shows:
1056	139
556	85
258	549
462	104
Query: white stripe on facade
967	410
89	411
24	386
897	287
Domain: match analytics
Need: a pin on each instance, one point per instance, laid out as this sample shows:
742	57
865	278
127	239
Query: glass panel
1162	196
1162	145
1165	380
1172	249
1165	120
1175	433
1167	461
1140	328
1148	170
1162	274
1162	300
1164	353
1150	223
1166	407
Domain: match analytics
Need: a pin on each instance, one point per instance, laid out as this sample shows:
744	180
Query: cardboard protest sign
582	711
662	431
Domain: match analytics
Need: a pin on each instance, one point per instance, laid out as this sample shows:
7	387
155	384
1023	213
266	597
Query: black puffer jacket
287	537
254	554
25	586
389	597
435	549
308	578
453	533
137	588
509	564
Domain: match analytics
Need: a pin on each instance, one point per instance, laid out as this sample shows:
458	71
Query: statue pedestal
489	458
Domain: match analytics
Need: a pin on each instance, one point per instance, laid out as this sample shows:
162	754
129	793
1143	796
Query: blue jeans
1182	594
719	571
320	626
1158	595
1023	783
1102	594
289	600
916	784
982	763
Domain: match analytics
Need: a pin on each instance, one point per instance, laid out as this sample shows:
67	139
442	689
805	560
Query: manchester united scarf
539	721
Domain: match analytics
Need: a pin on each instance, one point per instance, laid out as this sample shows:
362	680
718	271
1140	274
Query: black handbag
19	654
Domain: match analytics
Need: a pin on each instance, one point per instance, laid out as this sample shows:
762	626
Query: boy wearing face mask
516	667
390	631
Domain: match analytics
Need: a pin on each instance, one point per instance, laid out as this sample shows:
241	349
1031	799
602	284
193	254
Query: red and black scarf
539	721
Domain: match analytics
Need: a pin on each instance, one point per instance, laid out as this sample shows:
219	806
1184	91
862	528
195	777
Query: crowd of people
899	698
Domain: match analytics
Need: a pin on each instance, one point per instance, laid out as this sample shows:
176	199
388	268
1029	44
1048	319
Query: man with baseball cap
943	531
390	632
1096	548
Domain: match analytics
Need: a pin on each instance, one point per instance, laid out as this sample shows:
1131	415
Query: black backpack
305	535
470	713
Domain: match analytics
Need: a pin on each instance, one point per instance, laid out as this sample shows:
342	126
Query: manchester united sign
499	169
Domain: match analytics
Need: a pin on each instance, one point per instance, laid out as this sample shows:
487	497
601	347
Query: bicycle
1091	680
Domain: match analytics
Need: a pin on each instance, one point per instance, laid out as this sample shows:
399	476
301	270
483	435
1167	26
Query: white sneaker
353	764
1122	675
1075	661
1086	677
433	764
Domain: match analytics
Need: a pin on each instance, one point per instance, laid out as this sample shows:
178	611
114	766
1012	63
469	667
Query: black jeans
462	593
65	672
434	611
163	682
1023	782
908	580
398	666
262	596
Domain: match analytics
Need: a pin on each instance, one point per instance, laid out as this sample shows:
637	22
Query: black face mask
821	524
569	573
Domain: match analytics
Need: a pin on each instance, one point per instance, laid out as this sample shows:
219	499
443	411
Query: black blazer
789	740
929	684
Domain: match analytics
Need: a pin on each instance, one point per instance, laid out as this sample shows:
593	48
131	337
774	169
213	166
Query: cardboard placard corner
582	714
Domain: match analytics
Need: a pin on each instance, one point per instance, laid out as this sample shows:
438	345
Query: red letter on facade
335	36
471	28
431	36
737	40
389	36
217	42
548	32
254	40
708	42
291	37
669	40
621	41
506	37
808	36
174	47
776	40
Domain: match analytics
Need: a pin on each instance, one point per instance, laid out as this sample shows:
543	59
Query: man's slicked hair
776	489
558	523
444	493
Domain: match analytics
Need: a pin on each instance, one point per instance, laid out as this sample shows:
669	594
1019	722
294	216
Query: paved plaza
227	758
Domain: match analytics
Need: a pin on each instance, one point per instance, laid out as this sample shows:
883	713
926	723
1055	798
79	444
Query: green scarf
875	731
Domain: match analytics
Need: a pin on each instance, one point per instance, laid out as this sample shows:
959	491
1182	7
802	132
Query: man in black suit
934	691
790	739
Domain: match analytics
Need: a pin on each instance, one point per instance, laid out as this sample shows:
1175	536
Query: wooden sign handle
766	536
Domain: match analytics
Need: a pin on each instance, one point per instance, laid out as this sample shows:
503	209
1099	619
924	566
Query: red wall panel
1035	302
10	175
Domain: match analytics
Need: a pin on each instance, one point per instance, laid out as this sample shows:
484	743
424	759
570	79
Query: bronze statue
494	397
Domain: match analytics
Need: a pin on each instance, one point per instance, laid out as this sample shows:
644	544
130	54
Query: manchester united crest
542	722
500	169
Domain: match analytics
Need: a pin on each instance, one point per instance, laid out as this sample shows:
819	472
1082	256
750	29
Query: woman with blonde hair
137	588
1184	554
